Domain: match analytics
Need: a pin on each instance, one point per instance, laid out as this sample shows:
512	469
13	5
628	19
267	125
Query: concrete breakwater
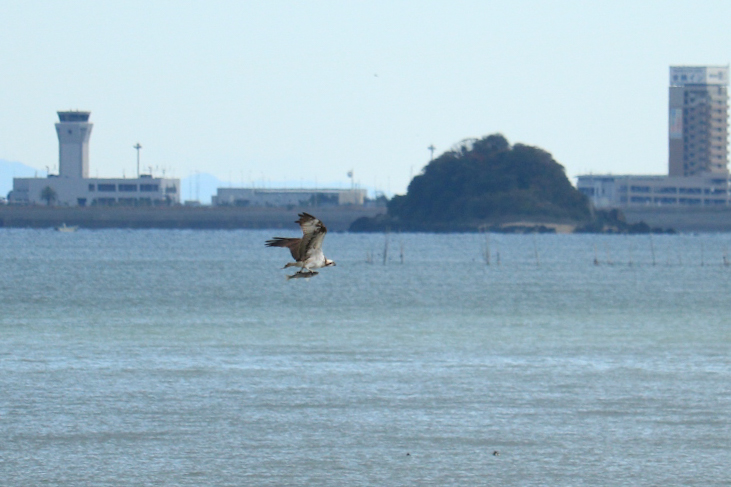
682	219
335	218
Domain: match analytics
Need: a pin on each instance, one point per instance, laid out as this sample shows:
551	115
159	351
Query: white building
73	187
607	191
288	197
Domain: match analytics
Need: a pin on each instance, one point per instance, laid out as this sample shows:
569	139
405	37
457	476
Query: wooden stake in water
596	259
630	254
385	251
652	249
535	250
703	257
487	248
401	250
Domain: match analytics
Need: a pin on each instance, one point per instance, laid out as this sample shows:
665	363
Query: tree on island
48	194
484	182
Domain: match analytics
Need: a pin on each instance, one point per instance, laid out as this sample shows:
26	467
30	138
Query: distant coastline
337	218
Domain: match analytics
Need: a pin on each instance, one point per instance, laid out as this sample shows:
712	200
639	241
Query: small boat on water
64	228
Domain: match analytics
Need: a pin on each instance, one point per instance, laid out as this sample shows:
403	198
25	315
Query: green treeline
482	183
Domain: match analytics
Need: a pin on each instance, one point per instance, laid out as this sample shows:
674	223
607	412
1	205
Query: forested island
489	184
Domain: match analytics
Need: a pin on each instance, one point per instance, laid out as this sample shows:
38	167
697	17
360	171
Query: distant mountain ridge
12	169
201	187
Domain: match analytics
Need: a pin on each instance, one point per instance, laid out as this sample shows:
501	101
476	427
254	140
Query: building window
103	202
641	199
107	187
91	187
150	188
640	189
128	187
689	201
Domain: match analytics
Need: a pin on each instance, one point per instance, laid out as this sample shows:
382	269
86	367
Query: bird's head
329	263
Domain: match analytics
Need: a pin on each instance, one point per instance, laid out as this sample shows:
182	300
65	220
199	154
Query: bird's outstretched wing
313	233
293	244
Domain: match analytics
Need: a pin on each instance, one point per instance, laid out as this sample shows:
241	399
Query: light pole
138	147
432	149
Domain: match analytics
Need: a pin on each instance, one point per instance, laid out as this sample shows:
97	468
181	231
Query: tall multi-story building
698	120
72	185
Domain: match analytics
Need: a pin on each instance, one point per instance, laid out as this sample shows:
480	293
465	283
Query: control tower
73	131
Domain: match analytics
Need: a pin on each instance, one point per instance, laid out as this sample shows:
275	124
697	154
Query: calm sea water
186	358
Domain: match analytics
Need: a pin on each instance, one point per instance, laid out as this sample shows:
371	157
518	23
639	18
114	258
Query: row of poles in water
369	253
486	254
724	256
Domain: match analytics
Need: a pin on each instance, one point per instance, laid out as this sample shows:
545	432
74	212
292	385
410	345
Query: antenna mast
138	147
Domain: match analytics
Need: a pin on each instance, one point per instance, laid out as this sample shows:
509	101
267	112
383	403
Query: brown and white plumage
306	251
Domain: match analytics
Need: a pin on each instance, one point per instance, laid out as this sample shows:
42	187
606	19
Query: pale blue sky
304	91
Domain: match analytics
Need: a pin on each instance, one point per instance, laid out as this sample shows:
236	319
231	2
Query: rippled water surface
186	358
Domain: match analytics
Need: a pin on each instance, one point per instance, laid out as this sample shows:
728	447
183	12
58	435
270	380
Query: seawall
336	218
682	219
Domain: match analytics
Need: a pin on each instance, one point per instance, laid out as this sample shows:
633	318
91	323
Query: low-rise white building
288	197
73	186
607	191
142	191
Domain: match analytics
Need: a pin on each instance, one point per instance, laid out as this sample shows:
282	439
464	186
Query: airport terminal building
72	186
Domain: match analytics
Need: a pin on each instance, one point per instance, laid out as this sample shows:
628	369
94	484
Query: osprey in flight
306	251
